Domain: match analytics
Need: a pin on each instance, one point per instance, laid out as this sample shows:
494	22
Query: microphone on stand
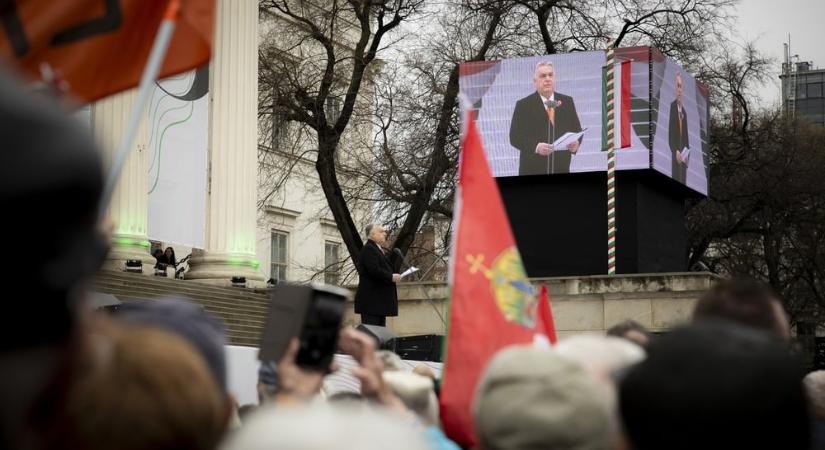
551	135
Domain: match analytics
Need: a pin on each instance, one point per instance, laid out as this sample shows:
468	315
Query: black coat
531	126
376	294
678	141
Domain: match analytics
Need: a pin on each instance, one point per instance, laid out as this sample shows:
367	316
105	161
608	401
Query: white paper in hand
409	271
567	139
685	154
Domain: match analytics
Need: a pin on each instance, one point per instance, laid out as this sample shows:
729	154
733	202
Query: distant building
803	91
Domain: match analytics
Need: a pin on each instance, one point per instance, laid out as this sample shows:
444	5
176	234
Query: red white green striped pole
611	163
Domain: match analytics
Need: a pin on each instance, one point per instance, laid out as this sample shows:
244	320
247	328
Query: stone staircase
242	310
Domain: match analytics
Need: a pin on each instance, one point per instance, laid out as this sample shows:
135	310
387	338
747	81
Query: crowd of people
154	375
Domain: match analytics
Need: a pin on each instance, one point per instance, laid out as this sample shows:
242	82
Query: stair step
152	293
128	284
243	311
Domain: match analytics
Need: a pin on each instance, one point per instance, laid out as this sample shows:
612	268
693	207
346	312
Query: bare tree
409	164
765	216
679	28
325	57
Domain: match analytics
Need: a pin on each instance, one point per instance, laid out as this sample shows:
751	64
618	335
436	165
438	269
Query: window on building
814	90
801	91
332	265
278	260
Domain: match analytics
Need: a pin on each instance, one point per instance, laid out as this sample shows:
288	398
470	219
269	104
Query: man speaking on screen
540	119
678	134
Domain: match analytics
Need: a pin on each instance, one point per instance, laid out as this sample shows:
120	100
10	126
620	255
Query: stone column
233	148
128	209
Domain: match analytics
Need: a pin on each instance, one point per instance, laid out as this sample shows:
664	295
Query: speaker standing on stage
376	297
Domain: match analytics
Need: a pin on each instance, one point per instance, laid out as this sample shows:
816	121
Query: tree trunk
325	166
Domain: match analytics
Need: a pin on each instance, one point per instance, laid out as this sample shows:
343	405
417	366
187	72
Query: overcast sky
770	21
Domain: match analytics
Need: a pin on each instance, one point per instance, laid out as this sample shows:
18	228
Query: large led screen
511	98
679	116
545	115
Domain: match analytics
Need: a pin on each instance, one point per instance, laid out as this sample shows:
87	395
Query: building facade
803	91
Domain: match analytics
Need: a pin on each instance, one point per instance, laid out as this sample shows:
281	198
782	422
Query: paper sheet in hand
409	271
566	139
685	154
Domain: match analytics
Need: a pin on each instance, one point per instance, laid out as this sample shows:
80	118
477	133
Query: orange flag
97	48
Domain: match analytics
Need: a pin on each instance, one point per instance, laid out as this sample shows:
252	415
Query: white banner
178	124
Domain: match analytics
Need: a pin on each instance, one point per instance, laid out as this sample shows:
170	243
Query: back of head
187	320
601	356
531	398
148	389
391	361
746	302
321	427
416	392
815	388
606	359
51	179
715	385
632	331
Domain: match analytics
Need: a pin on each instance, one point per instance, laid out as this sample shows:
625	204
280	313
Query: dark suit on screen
531	126
376	294
678	138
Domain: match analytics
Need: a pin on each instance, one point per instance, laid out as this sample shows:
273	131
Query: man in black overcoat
376	297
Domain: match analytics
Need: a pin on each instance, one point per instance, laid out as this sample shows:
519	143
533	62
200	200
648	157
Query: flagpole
611	166
147	82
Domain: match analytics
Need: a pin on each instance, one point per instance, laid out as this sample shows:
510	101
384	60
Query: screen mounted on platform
547	114
680	116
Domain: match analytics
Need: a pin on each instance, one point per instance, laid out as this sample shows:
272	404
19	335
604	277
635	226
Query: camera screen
319	337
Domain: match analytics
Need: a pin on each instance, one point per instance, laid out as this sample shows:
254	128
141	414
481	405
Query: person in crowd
346	398
294	422
46	160
390	360
169	257
418	395
606	359
246	411
534	398
746	302
326	427
188	320
424	370
376	297
158	255
632	331
715	385
298	385
815	388
200	329
147	389
267	386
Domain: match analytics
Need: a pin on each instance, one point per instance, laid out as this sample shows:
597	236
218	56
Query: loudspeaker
425	347
383	336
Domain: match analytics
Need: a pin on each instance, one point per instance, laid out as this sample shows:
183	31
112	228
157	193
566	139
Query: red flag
546	315
100	47
493	304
